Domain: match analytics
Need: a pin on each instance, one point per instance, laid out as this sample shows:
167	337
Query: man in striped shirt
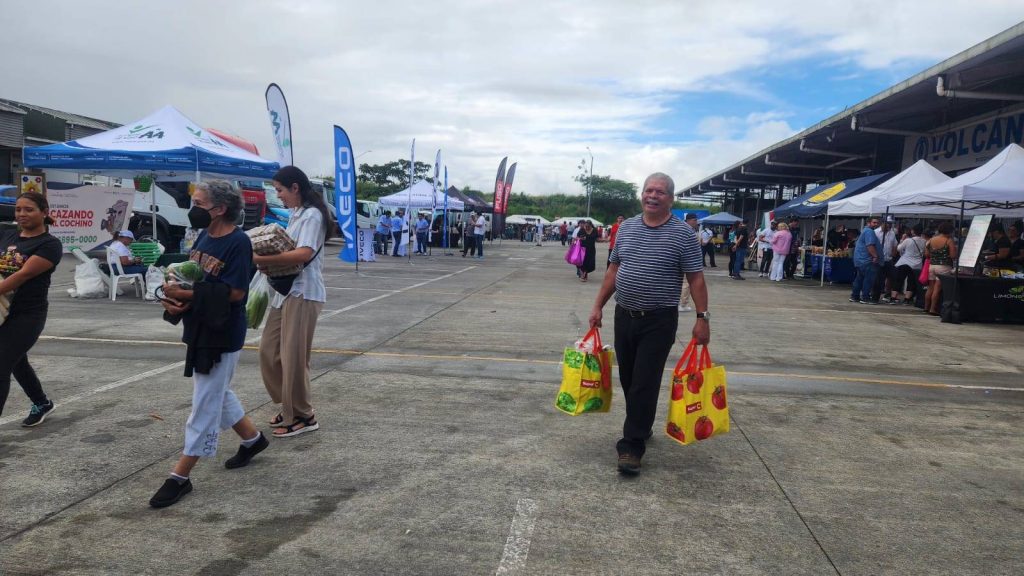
653	251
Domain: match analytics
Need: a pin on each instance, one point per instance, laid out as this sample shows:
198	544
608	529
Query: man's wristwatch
704	316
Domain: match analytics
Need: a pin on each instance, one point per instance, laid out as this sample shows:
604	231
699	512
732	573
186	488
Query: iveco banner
281	124
345	194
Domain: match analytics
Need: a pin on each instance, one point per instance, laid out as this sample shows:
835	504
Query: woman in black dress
588	238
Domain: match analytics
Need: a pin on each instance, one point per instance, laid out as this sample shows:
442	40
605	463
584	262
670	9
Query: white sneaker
685	309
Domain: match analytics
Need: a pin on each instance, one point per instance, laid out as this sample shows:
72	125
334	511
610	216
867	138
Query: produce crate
149	252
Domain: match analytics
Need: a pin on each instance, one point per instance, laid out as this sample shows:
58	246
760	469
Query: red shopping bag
697	409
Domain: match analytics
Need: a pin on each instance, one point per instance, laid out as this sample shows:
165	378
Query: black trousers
642	345
732	260
906	274
886	272
766	261
789	266
17	336
470	244
709	252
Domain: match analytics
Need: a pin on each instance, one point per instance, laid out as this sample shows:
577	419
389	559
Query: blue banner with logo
345	194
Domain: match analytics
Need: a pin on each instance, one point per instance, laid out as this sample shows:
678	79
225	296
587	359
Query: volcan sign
967	146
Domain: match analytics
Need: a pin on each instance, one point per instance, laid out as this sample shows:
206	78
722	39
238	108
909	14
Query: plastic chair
117	273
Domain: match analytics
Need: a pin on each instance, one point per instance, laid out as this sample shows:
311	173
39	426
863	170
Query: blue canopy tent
166	146
814	204
720	219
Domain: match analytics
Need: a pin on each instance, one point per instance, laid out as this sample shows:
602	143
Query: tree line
609	196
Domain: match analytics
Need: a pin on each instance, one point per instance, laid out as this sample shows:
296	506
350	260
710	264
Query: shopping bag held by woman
576	253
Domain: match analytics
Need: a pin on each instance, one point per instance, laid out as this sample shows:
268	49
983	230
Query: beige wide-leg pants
284	355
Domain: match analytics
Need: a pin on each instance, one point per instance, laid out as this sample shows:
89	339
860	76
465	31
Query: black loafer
170	492
246	453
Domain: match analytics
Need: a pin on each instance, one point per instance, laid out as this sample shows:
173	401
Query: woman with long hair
35	253
287	340
588	238
941	253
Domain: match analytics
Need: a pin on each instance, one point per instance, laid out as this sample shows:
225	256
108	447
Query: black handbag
283	284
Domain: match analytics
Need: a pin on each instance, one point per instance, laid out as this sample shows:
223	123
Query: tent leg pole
824	251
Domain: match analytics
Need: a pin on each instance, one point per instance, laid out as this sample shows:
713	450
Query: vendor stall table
984	299
837	270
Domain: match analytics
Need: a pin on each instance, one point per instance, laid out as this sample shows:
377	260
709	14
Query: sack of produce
185	274
270	240
259	300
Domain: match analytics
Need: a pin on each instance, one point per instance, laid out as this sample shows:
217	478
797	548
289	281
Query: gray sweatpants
214	407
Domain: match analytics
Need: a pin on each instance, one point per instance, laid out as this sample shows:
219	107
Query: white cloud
538	81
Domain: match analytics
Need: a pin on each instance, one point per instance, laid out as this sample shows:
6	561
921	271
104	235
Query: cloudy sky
685	86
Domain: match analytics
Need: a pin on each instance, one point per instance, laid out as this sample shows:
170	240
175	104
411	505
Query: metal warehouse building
23	125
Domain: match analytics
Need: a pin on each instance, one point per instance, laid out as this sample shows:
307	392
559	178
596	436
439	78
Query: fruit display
844	253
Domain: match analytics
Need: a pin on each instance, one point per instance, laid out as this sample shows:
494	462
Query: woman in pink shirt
780	248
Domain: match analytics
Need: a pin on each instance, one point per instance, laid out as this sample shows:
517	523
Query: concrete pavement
866	440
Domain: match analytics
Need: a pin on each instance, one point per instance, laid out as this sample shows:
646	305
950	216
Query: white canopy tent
420	196
575	220
996	187
875	201
527	219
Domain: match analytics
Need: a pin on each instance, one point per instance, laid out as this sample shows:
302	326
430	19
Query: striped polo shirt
652	261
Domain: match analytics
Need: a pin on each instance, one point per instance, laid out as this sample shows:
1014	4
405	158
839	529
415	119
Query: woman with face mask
35	254
287	340
213	314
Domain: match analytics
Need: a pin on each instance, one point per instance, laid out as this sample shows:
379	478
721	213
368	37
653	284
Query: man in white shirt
887	237
764	243
120	246
479	229
707	245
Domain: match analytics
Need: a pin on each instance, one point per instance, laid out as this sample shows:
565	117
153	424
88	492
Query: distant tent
473	204
420	196
720	219
815	203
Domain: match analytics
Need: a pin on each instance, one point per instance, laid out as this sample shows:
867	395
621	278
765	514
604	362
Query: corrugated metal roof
8	108
65	116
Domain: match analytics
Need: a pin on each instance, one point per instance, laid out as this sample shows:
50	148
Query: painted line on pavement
452	357
383	296
107	387
517	546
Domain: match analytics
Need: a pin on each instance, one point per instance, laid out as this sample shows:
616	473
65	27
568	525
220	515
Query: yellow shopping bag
697	409
586	376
